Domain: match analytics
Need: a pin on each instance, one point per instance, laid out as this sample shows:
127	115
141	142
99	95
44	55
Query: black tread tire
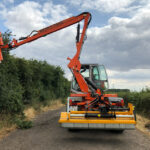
73	130
119	131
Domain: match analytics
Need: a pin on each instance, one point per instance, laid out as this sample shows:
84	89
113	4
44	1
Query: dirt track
47	135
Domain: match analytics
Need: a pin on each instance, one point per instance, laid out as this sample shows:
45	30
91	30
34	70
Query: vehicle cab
95	75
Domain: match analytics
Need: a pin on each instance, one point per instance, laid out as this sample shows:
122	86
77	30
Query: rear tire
117	131
73	130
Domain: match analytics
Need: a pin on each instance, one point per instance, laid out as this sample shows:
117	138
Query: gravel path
47	135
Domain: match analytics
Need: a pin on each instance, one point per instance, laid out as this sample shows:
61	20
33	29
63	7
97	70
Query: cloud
135	74
135	79
28	18
8	1
133	85
122	45
32	15
104	5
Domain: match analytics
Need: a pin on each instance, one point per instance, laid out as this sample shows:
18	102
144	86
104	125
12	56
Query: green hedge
141	100
25	82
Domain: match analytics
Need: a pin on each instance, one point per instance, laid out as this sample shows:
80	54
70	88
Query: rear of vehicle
107	111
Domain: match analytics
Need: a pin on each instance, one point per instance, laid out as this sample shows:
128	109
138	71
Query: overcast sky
118	36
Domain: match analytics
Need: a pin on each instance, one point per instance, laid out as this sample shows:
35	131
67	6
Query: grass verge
143	124
7	125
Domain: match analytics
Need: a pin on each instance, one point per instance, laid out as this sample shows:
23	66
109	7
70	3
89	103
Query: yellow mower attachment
95	120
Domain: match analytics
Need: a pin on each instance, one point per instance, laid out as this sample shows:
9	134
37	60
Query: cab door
99	77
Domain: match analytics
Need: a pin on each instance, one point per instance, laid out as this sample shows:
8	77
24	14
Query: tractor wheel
73	130
117	131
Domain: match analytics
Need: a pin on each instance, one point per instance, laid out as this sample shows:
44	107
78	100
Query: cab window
96	73
103	75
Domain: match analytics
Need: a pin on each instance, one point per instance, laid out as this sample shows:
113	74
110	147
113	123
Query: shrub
26	82
23	124
141	100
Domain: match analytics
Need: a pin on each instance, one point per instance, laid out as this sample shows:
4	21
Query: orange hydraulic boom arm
74	64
